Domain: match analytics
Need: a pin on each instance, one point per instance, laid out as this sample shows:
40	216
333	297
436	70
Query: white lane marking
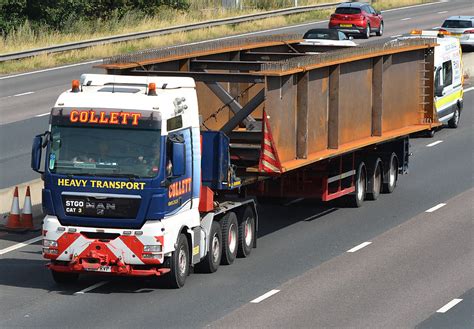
468	89
442	12
449	305
50	69
396	36
24	94
265	296
406	19
434	143
20	245
41	115
286	27
436	207
362	245
94	286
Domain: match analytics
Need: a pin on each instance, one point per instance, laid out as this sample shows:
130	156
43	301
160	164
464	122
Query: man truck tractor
153	167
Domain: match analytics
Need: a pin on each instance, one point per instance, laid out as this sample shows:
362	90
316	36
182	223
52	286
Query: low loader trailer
155	166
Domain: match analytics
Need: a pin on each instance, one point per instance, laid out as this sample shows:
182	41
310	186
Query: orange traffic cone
13	221
26	214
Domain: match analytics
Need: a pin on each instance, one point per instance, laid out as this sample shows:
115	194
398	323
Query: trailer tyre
375	180
230	238
391	175
357	198
246	233
210	263
64	278
179	264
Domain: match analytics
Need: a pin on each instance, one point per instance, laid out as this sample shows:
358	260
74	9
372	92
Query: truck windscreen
104	152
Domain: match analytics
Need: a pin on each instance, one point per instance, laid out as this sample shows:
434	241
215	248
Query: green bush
62	14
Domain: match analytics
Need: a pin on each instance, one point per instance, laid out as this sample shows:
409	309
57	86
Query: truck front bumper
108	251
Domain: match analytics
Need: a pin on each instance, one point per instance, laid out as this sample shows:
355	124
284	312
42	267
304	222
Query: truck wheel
179	264
391	175
430	133
454	121
375	180
246	233
357	198
64	278
210	263
230	238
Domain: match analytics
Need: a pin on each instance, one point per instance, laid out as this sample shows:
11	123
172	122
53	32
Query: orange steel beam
123	66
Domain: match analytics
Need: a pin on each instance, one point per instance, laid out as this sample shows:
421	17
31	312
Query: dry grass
44	61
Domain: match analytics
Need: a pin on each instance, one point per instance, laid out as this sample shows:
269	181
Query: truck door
178	171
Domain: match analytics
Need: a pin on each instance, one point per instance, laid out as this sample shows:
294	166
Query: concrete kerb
6	198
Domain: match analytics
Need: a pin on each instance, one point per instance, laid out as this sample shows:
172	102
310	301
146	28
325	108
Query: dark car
356	18
327	37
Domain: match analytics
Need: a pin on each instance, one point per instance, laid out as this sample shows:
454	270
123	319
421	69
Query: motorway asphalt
25	98
417	263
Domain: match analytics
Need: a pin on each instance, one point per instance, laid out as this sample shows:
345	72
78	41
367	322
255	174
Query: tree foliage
57	14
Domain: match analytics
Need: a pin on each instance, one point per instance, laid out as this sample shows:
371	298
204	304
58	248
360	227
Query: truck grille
100	207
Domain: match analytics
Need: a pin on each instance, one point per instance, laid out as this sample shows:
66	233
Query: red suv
357	18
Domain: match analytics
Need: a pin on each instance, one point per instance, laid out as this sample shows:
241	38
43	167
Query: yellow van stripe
448	99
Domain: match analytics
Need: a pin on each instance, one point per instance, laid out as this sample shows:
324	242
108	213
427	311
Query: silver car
461	27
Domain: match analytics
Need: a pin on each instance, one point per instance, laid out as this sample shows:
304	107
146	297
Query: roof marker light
151	89
75	86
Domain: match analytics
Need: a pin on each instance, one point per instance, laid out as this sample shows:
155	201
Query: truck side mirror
36	151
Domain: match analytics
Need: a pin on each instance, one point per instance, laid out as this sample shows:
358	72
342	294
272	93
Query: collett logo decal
113	118
179	188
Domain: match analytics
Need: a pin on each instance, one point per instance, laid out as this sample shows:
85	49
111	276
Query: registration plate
346	25
106	269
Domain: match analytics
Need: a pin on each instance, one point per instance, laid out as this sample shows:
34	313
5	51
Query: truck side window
447	73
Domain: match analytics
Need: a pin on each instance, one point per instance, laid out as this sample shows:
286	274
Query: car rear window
347	11
457	24
326	35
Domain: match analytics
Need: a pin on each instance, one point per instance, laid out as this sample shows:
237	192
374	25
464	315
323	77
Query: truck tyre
391	174
374	184
454	121
380	31
179	264
246	233
210	263
367	31
230	238
357	198
64	278
430	133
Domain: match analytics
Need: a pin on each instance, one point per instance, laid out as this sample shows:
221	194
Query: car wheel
454	121
380	31
367	32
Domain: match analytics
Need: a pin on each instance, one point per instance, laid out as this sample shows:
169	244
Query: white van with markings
448	77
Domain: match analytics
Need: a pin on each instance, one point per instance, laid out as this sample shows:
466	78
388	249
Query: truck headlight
50	243
152	248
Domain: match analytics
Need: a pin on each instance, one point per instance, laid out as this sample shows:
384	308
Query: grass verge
97	52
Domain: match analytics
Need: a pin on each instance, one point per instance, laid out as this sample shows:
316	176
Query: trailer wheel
375	180
391	175
179	264
64	278
230	238
210	263
246	233
357	198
